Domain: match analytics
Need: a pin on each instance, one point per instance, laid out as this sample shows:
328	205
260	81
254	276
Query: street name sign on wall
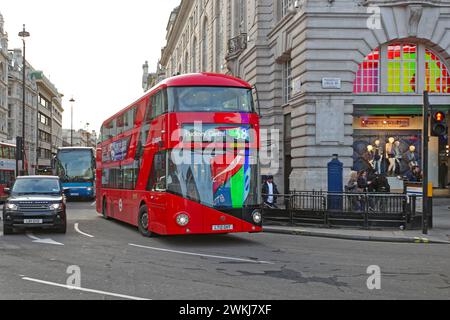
331	83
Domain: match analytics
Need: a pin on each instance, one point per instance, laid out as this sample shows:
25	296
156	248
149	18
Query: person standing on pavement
270	192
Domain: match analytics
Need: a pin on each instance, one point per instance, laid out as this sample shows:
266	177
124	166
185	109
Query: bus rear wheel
143	222
104	208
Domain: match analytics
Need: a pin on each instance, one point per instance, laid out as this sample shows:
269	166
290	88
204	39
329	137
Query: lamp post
71	121
24	34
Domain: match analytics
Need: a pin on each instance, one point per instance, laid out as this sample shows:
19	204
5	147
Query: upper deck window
210	99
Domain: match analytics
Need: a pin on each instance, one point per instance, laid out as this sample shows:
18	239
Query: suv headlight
56	206
12	206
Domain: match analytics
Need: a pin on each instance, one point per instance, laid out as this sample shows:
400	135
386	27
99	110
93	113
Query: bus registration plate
227	227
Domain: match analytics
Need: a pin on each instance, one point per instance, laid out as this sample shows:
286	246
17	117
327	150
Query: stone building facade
15	106
3	82
49	122
81	138
339	77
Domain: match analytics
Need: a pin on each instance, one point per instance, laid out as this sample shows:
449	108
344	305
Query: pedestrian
270	192
351	188
380	186
352	184
363	187
414	175
363	182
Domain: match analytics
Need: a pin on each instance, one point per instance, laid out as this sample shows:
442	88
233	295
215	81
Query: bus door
157	184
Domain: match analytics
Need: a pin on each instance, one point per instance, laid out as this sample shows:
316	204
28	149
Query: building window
402	68
285	6
287	81
399	63
194	55
205	46
44	119
437	75
242	16
44	102
368	75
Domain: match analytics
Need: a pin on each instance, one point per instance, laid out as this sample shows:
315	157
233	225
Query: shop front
392	145
388	112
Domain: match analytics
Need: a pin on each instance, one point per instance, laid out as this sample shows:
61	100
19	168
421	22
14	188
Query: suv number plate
33	221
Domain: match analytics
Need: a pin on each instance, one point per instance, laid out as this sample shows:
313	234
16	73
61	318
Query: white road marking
43	241
93	203
77	229
201	254
84	289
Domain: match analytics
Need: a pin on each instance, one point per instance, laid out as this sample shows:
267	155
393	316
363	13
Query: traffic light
439	126
19	148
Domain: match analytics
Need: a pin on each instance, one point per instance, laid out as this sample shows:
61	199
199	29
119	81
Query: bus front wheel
143	222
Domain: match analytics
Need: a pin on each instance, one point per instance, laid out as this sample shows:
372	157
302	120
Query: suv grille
34	206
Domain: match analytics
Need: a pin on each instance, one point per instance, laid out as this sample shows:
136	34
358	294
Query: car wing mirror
7	190
66	191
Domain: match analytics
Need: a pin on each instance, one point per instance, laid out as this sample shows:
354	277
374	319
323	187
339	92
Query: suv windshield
36	186
210	99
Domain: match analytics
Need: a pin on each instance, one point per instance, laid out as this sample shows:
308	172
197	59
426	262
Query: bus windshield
217	180
75	165
210	99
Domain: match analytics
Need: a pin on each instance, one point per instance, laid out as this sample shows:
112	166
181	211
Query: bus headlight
12	206
182	219
257	217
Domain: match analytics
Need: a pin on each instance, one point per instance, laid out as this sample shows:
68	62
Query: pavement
440	234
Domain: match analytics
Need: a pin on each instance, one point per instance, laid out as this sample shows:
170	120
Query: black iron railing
327	209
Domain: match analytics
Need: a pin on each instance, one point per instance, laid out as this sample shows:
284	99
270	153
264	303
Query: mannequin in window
411	157
398	157
371	156
390	156
378	156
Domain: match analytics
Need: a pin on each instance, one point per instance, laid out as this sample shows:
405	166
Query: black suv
35	202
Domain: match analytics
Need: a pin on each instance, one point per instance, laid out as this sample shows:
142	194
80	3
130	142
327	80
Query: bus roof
7	144
191	79
203	79
75	148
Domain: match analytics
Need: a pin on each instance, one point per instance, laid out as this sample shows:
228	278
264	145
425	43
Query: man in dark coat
270	192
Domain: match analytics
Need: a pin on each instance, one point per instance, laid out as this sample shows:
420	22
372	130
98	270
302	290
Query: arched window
437	75
205	45
368	75
405	68
186	63
194	55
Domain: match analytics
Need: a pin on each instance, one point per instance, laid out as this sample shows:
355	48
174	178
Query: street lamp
71	121
23	34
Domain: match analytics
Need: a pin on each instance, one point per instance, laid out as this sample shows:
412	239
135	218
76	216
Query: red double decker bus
183	159
7	168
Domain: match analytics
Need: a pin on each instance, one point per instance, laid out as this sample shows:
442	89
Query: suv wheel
7	230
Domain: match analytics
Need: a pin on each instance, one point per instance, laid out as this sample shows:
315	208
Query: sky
91	50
